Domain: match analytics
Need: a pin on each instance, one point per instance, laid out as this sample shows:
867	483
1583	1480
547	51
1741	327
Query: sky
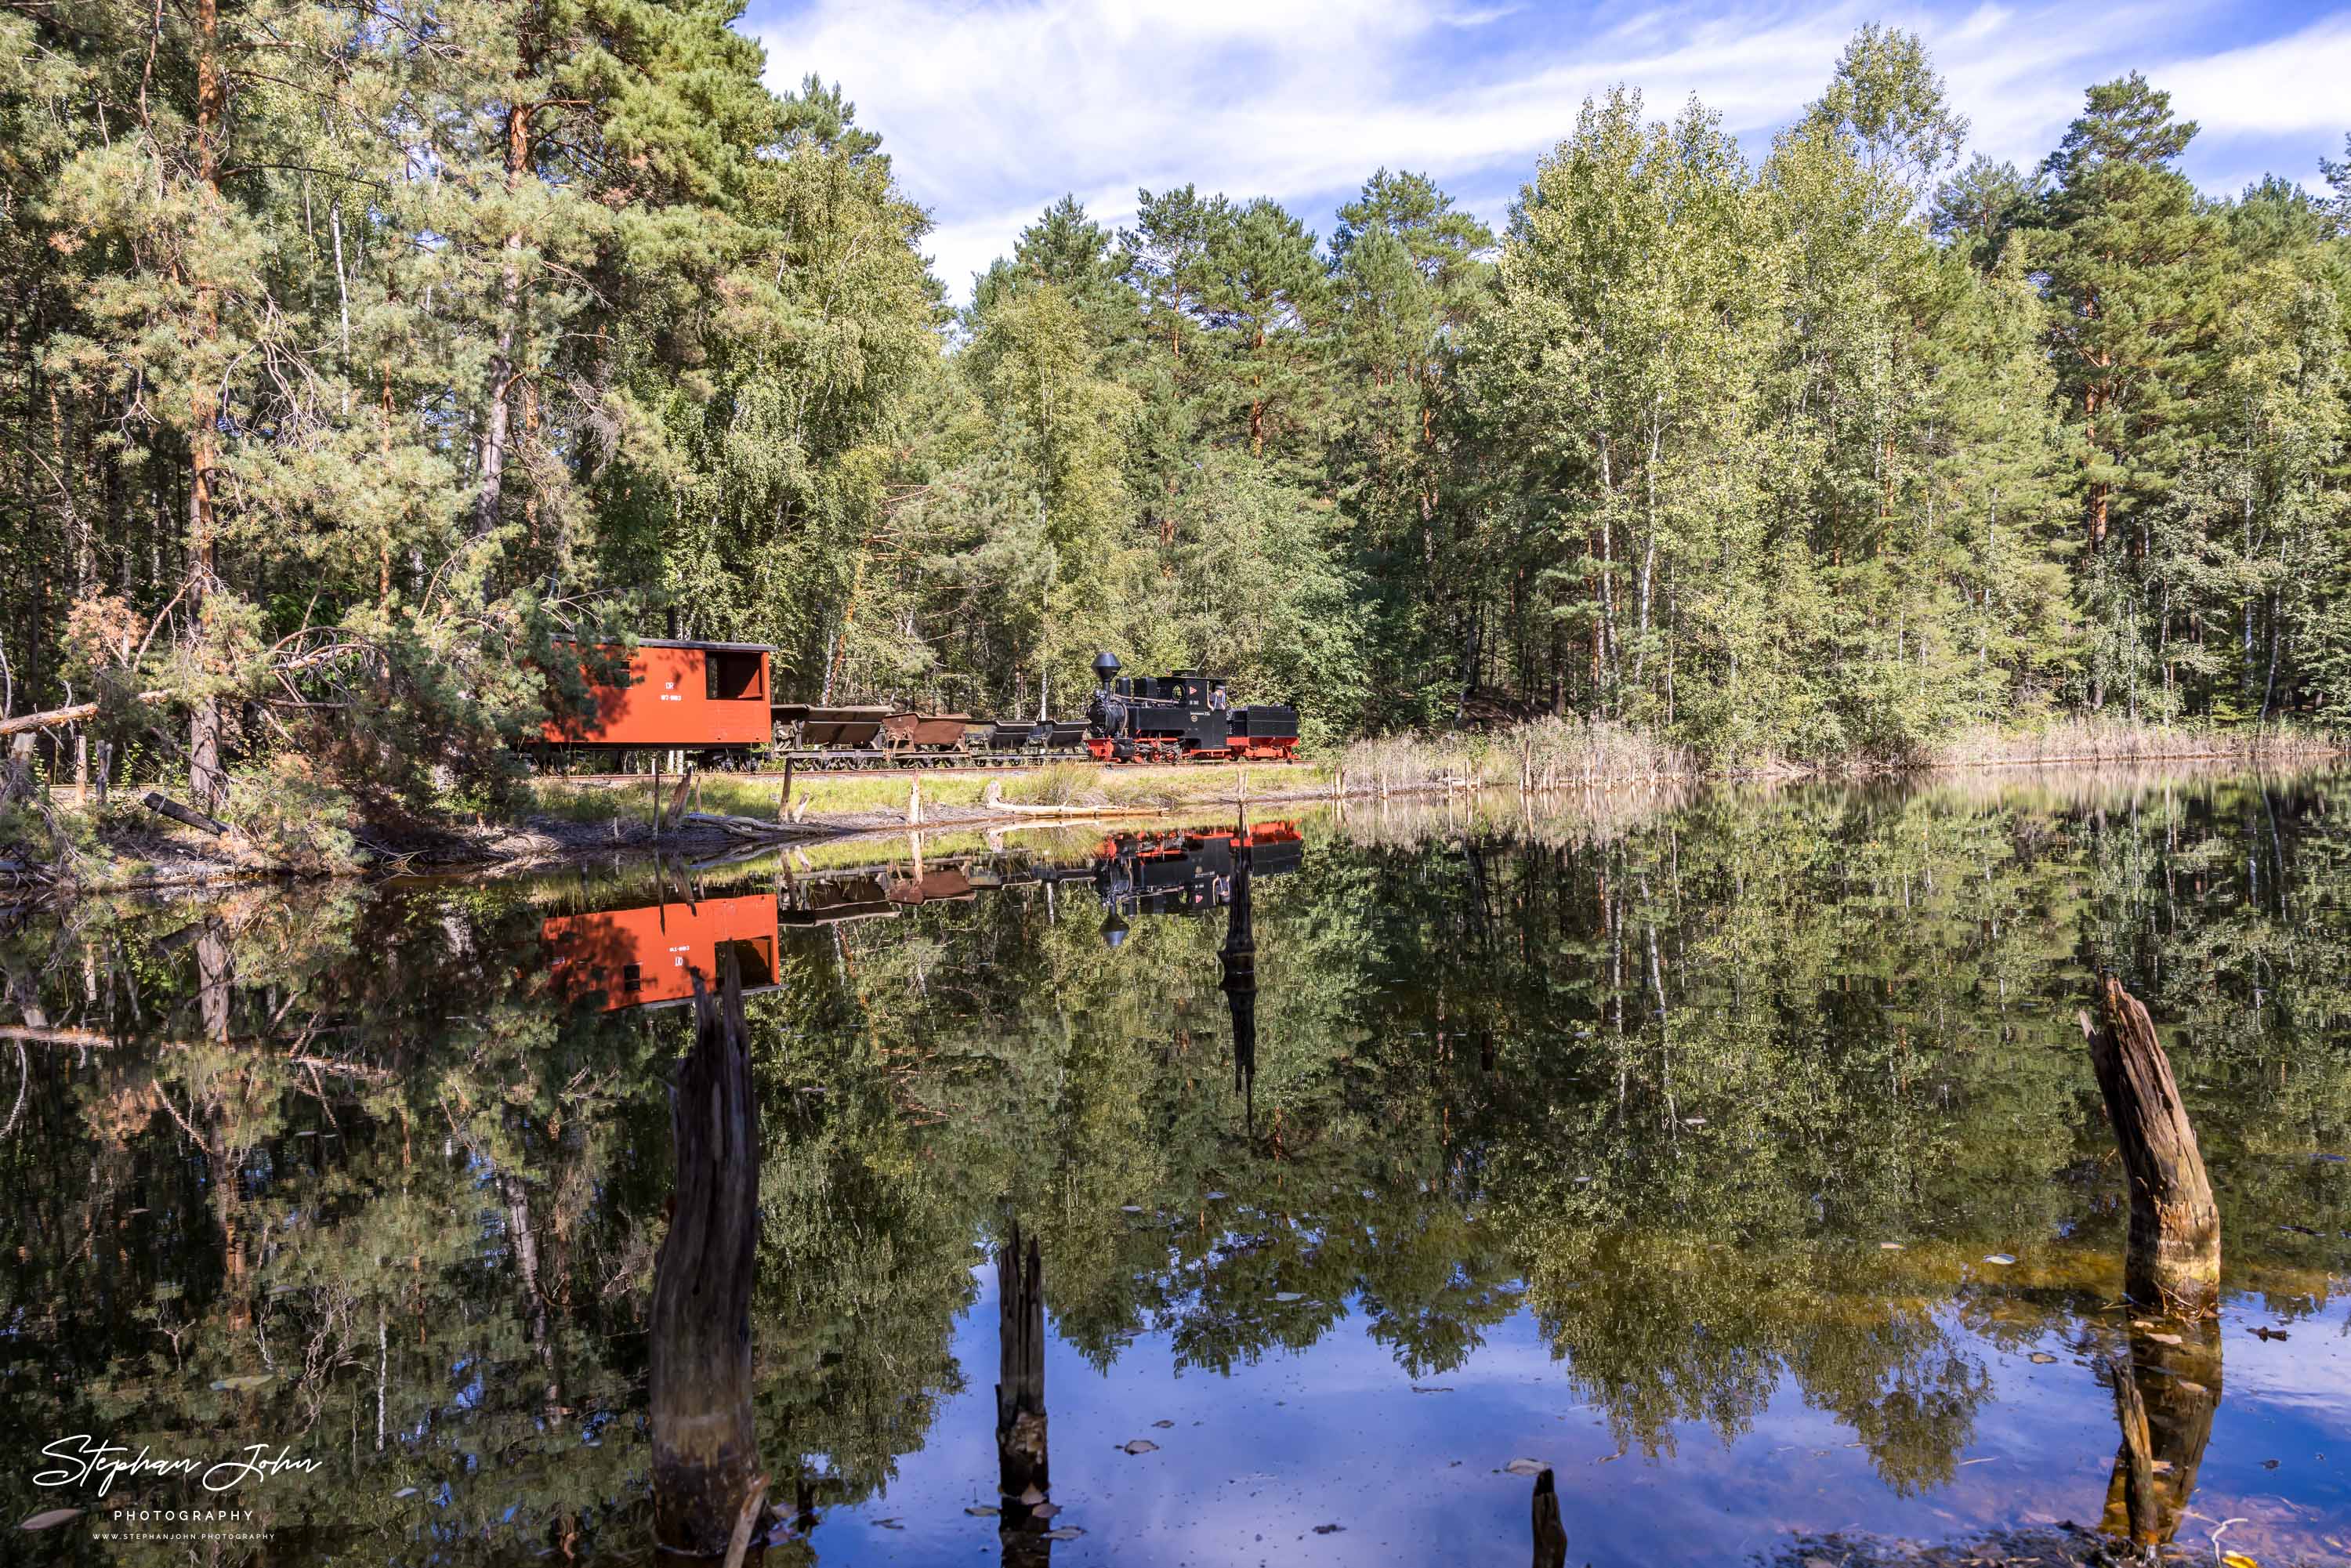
992	109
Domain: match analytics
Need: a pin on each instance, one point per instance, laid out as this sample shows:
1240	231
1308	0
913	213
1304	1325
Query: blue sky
995	107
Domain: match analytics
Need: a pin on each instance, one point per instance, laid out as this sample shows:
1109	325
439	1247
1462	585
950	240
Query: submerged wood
2174	1257
1024	1472
751	827
706	1458
1550	1535
2165	1396
2135	1461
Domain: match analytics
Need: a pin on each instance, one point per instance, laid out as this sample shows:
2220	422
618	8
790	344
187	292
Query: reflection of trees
1678	1075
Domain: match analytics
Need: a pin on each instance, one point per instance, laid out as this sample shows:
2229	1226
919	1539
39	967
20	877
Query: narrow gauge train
714	702
646	956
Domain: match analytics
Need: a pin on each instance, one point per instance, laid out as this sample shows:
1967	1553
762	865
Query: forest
353	359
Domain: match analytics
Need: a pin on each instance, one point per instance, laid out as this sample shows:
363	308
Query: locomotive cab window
732	677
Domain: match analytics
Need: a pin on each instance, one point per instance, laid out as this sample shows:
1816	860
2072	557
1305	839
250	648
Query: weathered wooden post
1024	1472
1550	1536
1240	958
2135	1461
2168	1385
2166	1395
784	794
708	1487
2174	1255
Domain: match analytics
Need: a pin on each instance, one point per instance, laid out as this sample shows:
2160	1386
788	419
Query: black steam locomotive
1186	715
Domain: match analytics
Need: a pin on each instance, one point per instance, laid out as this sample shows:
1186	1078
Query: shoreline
173	862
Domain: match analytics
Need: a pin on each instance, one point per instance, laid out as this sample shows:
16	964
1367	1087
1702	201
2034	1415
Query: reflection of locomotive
714	701
1184	871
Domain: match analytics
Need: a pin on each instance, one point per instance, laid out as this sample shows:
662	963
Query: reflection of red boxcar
645	956
693	694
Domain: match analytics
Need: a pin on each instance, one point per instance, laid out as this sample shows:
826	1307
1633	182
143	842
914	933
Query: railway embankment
55	845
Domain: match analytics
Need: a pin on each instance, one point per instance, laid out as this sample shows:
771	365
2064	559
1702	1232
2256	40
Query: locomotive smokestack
1105	666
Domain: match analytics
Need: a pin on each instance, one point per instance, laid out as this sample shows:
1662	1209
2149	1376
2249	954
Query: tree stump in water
1024	1472
706	1459
2166	1395
1550	1536
2135	1460
2174	1256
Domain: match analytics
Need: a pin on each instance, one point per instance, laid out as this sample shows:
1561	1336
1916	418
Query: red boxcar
646	957
680	693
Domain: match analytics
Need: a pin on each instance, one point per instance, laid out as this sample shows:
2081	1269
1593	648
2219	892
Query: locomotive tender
715	702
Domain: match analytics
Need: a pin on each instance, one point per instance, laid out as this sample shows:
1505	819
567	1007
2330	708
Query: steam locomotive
714	702
1181	717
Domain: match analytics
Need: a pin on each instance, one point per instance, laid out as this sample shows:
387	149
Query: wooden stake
677	801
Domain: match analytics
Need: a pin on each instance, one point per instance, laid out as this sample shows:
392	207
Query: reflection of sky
1336	1436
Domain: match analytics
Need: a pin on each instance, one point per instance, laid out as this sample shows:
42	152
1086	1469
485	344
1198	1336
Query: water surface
1736	1157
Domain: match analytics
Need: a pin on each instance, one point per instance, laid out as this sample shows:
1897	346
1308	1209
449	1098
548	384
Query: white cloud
2301	83
993	111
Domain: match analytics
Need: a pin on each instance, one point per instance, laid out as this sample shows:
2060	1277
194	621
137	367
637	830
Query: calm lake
1736	1157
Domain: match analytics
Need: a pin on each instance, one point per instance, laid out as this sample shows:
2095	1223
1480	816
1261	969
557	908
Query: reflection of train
1184	871
716	701
646	956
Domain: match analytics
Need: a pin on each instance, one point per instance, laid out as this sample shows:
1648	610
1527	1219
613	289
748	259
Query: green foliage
356	383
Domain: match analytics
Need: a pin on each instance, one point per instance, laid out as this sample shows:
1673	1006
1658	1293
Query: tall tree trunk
207	784
495	422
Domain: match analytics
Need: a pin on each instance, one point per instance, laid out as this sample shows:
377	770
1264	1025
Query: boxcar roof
680	642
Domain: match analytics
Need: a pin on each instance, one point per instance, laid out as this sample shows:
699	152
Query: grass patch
2108	740
1545	753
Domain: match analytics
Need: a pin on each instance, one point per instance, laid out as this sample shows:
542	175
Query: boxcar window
732	677
754	955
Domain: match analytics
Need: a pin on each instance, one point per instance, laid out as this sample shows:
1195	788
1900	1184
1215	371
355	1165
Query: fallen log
53	717
752	826
157	803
